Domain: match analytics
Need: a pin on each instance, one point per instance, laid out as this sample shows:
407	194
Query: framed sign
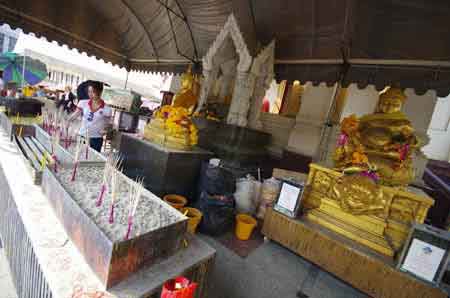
288	201
426	253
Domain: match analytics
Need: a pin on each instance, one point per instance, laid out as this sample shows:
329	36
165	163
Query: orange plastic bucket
244	226
176	201
194	215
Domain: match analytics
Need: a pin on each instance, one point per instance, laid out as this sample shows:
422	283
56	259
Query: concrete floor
272	271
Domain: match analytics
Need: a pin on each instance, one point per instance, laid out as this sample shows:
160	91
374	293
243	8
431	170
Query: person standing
67	100
96	116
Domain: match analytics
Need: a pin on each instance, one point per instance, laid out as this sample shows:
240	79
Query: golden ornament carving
359	195
374	215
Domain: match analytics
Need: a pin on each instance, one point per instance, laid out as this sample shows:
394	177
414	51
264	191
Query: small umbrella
82	92
22	69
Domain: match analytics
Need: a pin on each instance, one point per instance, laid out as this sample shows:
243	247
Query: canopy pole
326	130
126	80
23	71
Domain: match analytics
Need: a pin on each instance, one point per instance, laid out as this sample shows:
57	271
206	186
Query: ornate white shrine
247	78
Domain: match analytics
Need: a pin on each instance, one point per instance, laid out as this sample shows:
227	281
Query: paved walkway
272	271
7	289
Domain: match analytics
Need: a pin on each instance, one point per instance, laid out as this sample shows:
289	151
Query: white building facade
8	38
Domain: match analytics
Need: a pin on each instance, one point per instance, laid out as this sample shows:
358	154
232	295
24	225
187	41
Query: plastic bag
179	287
270	190
218	213
215	180
245	195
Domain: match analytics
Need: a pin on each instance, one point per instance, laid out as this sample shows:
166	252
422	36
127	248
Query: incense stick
136	188
114	178
55	142
77	157
86	136
113	163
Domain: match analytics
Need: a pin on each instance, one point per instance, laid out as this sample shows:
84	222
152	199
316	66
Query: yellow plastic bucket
195	216
244	226
176	201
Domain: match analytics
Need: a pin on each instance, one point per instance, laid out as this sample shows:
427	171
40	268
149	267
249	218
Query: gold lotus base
156	133
385	231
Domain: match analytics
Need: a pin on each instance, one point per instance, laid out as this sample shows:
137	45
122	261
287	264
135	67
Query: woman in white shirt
96	116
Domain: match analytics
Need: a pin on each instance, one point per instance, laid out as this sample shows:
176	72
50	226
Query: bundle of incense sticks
79	142
51	122
73	130
47	120
113	163
55	141
65	132
44	118
114	184
136	188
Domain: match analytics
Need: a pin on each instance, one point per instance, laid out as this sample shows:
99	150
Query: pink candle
74	173
55	163
111	214
100	197
130	223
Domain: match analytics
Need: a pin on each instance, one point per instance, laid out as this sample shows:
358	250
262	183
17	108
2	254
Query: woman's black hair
97	86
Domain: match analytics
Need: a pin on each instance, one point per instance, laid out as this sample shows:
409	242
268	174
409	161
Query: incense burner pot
158	229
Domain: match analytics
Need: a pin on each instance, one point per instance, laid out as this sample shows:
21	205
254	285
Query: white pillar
439	131
209	79
261	86
419	109
306	134
175	84
240	103
5	43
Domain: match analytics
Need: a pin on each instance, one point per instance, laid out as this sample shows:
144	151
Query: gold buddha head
391	100
187	79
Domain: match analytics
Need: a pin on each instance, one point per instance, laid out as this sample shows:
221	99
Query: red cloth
265	106
187	289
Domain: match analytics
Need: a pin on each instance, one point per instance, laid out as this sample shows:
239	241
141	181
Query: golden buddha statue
357	198
383	141
188	95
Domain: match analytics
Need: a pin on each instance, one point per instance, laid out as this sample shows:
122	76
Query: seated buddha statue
188	94
383	141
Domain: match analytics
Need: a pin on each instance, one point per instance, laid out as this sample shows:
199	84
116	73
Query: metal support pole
126	80
23	71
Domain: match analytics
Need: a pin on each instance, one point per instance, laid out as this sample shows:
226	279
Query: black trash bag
216	180
218	213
